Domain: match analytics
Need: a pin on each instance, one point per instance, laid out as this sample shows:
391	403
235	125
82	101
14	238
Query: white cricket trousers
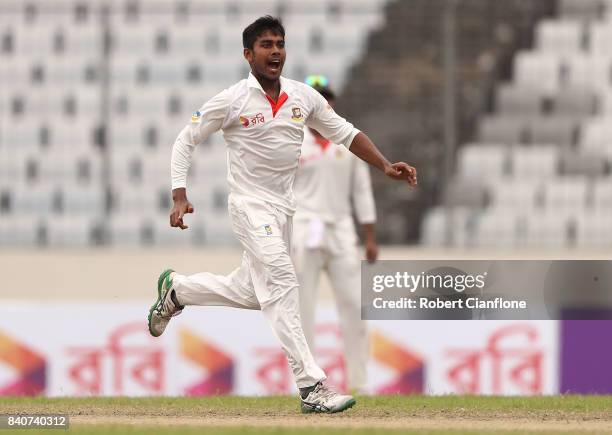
337	253
264	281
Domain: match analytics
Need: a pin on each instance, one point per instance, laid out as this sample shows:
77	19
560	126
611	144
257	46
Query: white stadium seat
557	130
576	102
496	228
530	67
483	161
547	230
602	195
124	229
536	161
215	229
565	194
20	231
165	235
594	230
436	232
555	36
591	71
516	194
596	136
70	231
502	129
601	33
513	100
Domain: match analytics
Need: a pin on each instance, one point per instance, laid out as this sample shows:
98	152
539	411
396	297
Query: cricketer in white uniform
262	119
330	184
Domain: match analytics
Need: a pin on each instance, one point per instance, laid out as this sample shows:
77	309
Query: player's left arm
337	129
365	149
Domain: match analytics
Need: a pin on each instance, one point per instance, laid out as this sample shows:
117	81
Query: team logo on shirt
268	229
248	121
196	116
296	114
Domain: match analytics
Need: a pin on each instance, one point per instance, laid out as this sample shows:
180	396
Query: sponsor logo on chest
252	120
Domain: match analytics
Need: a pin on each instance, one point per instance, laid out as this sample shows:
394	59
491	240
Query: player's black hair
259	26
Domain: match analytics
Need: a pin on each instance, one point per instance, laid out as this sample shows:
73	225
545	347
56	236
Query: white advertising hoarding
90	349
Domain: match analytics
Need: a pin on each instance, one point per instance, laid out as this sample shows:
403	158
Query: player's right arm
204	122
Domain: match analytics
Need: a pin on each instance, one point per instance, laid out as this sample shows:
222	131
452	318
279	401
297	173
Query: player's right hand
179	209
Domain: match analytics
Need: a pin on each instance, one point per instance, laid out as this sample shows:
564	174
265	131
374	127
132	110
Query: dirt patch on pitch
518	424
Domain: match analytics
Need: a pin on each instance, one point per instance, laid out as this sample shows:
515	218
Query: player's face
268	55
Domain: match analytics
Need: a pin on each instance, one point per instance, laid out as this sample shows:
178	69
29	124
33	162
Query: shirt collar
285	85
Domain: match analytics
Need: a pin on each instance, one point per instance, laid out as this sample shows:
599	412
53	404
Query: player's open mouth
274	65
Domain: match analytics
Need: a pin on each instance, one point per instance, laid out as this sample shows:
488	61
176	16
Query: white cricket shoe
325	400
166	306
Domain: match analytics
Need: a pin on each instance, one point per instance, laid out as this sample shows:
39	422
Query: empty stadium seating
99	91
544	153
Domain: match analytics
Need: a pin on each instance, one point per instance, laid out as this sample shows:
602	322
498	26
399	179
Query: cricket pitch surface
280	415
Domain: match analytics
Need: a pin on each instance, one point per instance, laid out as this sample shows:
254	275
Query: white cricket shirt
329	178
263	137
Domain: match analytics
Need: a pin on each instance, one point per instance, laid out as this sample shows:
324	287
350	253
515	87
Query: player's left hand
403	172
371	251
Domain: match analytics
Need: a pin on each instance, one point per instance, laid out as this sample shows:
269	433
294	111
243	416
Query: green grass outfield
280	415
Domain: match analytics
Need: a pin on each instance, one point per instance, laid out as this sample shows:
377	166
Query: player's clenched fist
180	208
402	171
178	211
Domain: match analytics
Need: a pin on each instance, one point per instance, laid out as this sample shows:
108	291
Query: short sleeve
208	119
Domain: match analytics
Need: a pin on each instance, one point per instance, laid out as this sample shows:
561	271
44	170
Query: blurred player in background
263	119
330	184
